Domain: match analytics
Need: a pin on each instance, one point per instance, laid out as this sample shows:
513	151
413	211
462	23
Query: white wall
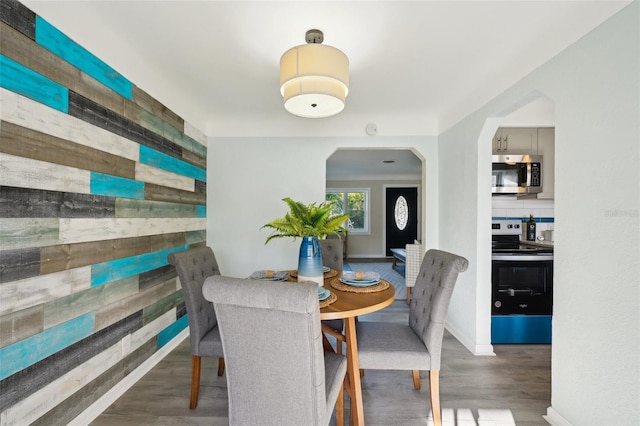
596	326
250	176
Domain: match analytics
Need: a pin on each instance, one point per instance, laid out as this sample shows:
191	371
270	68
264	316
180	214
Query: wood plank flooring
516	382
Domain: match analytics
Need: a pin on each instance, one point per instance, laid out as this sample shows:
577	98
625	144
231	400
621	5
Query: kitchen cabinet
546	148
515	140
534	141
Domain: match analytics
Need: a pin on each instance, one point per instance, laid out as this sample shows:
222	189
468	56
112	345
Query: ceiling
416	67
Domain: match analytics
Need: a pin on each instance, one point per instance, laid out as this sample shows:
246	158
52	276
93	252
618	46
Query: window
354	201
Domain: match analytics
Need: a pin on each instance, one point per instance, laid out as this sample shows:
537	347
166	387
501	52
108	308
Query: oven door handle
522	258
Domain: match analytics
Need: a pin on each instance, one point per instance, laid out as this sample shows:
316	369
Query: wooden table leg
353	371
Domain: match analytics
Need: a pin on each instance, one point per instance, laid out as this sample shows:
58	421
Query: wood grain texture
195	133
33	349
156	276
194	159
91	112
172	195
72	406
69	256
28	292
143	99
19	17
57	42
163	307
144	208
102	273
200	187
30	203
20	325
20	79
88	300
19	264
157	125
32	379
35	116
24	142
114	312
115	186
149	331
196	238
21	233
169	163
26	173
171	331
84	230
21	48
39	402
63	179
150	174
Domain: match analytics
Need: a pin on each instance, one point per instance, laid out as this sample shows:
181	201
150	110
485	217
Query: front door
401	210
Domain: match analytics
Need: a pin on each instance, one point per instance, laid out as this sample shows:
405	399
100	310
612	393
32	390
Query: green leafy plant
307	220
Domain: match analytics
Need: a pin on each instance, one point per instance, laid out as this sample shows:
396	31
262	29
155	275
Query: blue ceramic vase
310	261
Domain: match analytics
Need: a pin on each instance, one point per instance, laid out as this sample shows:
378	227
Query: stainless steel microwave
516	174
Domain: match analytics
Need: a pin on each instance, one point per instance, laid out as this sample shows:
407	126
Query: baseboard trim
102	403
555	419
477	350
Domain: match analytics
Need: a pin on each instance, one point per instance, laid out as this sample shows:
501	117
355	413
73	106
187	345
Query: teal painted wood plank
172	331
151	157
27	352
114	186
102	273
23	81
58	43
202	211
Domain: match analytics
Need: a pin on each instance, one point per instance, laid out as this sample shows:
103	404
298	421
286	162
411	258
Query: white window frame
367	207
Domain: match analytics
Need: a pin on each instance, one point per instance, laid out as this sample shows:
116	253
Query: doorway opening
371	171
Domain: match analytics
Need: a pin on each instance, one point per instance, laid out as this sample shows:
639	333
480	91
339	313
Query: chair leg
220	366
434	393
195	381
340	407
416	379
408	295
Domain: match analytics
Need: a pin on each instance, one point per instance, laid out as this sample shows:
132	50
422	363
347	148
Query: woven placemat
329	300
339	285
332	273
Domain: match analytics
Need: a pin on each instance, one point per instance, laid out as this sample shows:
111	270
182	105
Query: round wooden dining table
348	306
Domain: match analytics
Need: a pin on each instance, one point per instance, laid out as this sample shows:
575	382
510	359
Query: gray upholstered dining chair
417	345
277	372
332	257
332	253
194	266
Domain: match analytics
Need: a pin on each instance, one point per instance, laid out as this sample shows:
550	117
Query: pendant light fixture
314	78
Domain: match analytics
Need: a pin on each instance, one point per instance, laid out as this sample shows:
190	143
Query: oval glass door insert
401	213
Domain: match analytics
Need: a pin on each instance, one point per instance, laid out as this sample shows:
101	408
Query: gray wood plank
24	142
26	202
68	256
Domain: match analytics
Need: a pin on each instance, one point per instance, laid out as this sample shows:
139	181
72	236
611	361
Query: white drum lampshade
314	78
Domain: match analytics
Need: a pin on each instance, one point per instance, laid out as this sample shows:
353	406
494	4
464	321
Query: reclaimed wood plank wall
99	183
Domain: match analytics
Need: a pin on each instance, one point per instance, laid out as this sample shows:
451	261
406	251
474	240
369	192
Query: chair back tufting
193	267
431	296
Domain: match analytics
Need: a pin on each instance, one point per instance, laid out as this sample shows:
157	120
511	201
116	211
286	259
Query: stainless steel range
522	287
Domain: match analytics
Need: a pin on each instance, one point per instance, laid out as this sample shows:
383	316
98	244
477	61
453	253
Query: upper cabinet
515	140
546	148
533	141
